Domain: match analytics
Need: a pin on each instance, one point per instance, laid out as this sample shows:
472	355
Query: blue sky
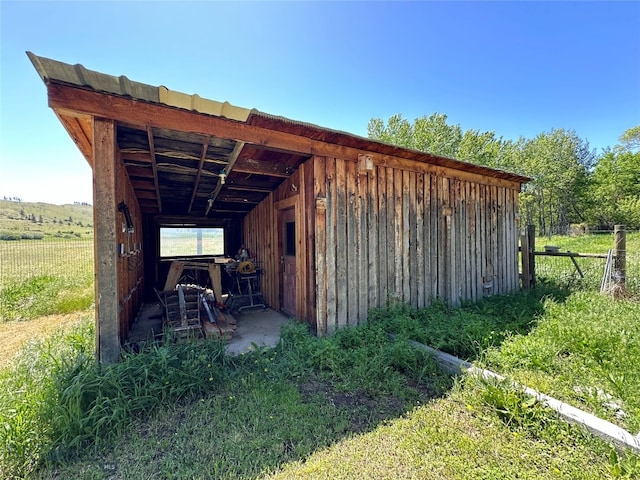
515	68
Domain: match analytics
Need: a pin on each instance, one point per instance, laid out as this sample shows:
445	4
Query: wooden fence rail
529	253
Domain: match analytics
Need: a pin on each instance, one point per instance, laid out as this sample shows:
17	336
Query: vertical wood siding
408	236
130	263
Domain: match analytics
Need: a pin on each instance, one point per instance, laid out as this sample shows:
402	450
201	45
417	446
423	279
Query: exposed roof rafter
154	167
196	182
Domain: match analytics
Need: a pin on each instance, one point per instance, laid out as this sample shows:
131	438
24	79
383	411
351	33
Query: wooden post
531	233
620	258
106	255
524	256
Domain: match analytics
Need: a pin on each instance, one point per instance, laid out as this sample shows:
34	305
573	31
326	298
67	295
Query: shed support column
105	248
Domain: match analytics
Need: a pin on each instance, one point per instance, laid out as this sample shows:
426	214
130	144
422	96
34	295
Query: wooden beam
142	184
65	98
257	167
232	160
234	156
196	182
106	255
80	129
140	172
144	157
154	166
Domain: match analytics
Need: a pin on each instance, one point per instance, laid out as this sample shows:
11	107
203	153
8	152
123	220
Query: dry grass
15	335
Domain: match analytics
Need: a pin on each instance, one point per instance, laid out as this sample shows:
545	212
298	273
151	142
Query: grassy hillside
42	220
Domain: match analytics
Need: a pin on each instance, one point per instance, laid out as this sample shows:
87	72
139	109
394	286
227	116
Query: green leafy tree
430	134
615	189
630	139
559	162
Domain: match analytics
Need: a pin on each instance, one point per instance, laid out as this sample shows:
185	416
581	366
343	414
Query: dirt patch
15	335
366	411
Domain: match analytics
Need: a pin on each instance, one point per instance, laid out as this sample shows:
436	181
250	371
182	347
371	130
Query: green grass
585	351
592	243
561	269
354	405
45	277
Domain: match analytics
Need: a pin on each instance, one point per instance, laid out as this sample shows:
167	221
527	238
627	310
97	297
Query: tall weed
56	401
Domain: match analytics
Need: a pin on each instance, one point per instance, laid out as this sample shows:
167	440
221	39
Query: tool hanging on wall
122	207
127	227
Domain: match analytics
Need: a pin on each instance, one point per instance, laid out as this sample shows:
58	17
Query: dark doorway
288	261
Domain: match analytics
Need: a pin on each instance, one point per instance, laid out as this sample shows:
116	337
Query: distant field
184	242
44	220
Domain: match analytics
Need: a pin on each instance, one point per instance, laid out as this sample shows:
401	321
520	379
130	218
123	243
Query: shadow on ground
279	405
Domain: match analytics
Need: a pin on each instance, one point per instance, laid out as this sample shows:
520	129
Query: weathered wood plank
391	236
428	241
397	238
381	258
320	195
469	241
420	242
215	274
477	247
494	237
308	198
106	255
407	279
454	243
302	300
595	425
175	271
332	211
352	250
436	234
363	245
484	223
373	235
444	240
398	234
342	253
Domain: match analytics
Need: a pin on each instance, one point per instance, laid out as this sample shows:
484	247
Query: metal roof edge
489	170
77	75
202	105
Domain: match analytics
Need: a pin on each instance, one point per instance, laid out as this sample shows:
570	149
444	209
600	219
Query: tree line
571	183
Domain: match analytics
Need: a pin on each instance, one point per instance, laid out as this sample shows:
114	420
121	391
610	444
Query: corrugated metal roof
53	71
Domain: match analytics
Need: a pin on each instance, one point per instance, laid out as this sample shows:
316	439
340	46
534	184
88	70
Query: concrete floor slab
254	326
260	327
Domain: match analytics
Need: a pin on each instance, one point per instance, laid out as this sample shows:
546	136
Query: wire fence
23	259
589	272
36	276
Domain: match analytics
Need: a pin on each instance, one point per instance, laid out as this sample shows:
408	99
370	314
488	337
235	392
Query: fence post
531	233
620	257
524	258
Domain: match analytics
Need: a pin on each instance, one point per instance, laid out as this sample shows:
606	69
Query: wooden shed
340	223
